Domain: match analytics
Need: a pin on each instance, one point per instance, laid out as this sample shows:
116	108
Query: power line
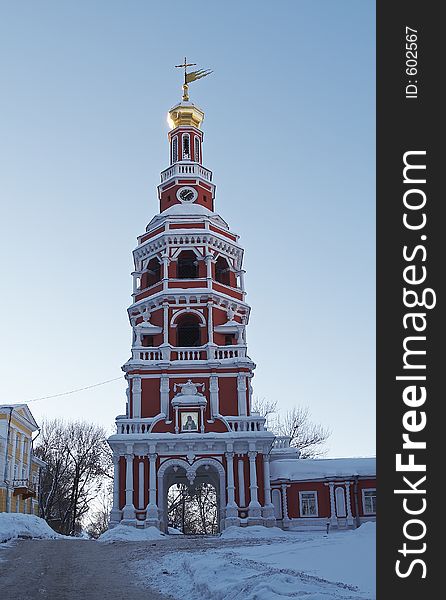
88	387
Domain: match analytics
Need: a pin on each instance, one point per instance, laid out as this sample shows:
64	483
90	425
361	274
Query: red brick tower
188	414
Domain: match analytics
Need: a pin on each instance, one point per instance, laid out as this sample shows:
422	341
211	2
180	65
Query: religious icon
189	421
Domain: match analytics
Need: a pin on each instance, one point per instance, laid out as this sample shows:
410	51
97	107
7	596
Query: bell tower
188	414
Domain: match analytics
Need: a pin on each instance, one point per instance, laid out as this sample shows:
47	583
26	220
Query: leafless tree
77	457
305	435
100	515
193	509
310	438
266	408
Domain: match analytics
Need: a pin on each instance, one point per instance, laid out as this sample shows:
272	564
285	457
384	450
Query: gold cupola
185	114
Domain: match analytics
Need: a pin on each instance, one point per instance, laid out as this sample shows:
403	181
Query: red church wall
260	479
323	497
228	395
150	397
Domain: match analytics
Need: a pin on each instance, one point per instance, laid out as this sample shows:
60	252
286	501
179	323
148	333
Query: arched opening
340	502
187	265
222	271
152	274
192	508
188	332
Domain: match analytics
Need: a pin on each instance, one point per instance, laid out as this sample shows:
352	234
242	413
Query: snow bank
321	468
339	566
252	532
16	525
127	533
173	531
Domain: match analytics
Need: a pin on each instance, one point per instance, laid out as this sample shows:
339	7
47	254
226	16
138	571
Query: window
308	504
147	341
175	150
152	274
229	339
186	146
196	149
188	332
369	501
222	271
187	265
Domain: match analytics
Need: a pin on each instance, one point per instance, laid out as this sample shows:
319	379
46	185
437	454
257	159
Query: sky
290	137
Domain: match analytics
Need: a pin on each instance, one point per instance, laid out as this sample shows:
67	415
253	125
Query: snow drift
16	525
125	533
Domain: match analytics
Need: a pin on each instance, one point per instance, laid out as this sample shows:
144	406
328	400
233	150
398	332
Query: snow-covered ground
16	525
271	566
124	533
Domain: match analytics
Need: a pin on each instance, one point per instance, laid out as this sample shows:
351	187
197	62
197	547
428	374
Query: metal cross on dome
192	76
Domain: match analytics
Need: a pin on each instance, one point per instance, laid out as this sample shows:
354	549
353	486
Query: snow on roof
322	468
188	210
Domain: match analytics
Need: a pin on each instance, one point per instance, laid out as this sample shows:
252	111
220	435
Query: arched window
222	271
152	274
175	149
196	149
187	266
186	146
188	332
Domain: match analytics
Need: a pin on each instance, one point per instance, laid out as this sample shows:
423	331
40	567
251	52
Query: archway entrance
191	498
193	509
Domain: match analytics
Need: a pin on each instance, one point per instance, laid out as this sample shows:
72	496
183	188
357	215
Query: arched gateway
188	415
204	470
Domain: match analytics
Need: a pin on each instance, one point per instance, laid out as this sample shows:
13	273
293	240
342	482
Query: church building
189	414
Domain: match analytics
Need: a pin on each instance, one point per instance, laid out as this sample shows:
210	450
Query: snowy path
67	570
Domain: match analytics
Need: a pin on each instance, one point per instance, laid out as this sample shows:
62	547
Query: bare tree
77	455
305	435
193	509
266	408
100	516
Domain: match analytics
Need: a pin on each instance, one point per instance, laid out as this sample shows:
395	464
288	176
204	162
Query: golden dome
185	113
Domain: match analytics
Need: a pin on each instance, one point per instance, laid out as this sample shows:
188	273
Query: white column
349	505
286	519
213	393
165	323
210	325
136	397
241	481
231	506
13	436
254	508
333	519
241	394
165	272
268	509
242	279
164	394
208	259
128	512
152	508
115	513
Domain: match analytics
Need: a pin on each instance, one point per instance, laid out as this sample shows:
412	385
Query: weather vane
192	76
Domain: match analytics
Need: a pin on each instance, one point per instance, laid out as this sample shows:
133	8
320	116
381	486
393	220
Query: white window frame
365	512
183	138
196	149
316	501
174	143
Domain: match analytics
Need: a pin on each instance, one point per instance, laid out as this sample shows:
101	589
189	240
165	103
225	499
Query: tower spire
192	76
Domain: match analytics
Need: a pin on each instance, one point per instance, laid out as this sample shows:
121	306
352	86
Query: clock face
187	194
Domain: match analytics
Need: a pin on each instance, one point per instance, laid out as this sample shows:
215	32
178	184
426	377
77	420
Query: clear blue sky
289	134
